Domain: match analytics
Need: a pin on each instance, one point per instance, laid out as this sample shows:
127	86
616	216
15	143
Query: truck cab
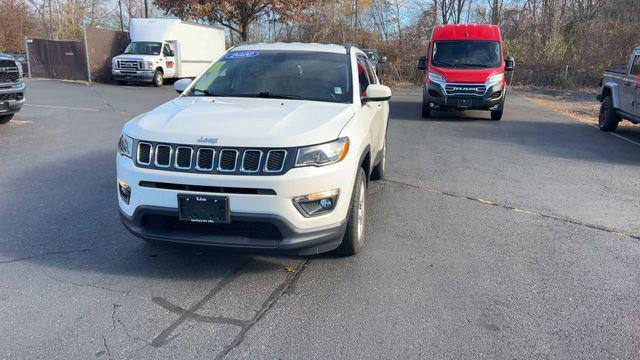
465	70
166	48
620	94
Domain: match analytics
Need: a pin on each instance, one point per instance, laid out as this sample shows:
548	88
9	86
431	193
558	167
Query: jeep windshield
143	48
466	54
299	75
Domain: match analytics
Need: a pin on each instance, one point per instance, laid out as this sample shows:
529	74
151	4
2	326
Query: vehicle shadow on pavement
75	225
411	110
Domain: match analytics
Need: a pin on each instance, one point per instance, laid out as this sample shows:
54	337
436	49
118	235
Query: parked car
166	48
12	87
376	61
271	148
620	94
465	70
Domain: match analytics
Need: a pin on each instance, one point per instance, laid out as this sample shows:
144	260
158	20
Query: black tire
608	118
426	111
353	239
158	78
496	114
378	171
121	82
5	118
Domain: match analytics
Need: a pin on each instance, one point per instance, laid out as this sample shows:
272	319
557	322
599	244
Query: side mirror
181	85
377	92
509	64
383	60
422	63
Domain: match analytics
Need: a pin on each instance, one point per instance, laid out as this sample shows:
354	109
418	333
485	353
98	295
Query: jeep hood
242	122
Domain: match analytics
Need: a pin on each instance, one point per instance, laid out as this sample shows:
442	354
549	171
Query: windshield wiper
473	65
439	63
208	92
270	95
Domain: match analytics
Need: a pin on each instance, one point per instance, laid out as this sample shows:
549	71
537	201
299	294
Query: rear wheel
353	239
608	118
496	114
158	78
5	118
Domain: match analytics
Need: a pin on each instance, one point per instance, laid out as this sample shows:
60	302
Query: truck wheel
354	235
158	78
5	118
121	82
496	114
426	111
378	171
608	119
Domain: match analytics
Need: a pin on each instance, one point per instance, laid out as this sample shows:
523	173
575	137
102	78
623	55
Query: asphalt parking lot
510	239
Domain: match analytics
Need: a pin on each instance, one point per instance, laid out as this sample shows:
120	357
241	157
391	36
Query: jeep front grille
214	160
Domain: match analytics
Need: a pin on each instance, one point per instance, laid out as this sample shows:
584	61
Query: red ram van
465	70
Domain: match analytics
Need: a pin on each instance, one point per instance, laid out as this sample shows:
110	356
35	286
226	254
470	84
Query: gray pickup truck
620	94
12	88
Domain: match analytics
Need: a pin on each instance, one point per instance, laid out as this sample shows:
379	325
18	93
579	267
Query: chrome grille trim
235	160
266	163
479	89
150	153
156	156
244	156
175	161
213	158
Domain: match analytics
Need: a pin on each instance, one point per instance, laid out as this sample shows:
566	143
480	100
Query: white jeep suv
271	148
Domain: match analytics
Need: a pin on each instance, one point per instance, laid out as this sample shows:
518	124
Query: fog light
432	104
125	191
495	107
317	203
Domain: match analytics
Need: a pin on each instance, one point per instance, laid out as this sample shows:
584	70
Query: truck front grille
9	72
129	64
465	89
214	160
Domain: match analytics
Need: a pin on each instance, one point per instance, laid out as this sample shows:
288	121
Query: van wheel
608	118
158	78
496	114
378	171
353	239
426	111
5	118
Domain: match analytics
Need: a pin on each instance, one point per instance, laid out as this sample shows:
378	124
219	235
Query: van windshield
466	54
301	75
143	48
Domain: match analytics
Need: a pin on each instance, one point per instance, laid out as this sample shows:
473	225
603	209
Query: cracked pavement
510	239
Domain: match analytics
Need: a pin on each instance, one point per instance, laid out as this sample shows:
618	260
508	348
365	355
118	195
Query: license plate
204	209
464	103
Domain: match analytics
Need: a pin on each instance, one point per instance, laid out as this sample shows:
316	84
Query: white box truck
166	48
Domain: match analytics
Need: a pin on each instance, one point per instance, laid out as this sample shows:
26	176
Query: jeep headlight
125	146
495	78
323	154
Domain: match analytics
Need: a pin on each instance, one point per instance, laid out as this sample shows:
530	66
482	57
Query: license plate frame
204	209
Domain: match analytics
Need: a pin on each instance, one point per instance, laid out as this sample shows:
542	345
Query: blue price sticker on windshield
241	54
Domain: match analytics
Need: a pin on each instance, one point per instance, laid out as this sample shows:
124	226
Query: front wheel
158	78
608	118
5	118
353	239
